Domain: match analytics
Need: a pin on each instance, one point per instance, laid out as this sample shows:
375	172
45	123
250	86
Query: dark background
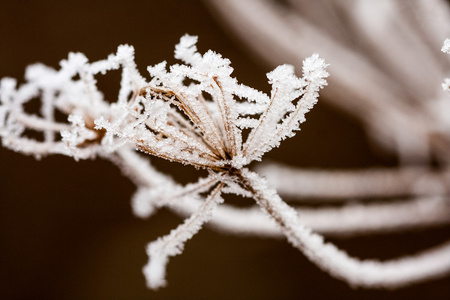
66	227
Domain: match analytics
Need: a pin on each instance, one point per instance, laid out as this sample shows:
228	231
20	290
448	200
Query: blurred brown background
66	227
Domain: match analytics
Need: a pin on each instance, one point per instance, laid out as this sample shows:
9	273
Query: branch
348	220
366	183
172	244
433	263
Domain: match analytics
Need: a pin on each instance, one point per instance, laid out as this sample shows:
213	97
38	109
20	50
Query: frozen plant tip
196	114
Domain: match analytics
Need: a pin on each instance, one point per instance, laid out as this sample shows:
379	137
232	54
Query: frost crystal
446	46
195	113
446	49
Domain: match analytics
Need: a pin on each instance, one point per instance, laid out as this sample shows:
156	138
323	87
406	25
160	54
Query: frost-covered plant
195	113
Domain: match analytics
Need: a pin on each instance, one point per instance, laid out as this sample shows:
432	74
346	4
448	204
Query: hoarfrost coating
201	124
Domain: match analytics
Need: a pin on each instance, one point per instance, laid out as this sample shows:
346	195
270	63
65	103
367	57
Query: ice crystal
446	49
446	46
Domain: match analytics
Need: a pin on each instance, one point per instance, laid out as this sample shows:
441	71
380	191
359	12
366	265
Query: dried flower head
201	123
195	114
